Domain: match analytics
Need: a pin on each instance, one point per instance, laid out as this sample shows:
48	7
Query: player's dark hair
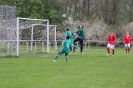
67	29
78	27
67	37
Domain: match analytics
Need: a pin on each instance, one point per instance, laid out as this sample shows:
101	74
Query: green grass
93	69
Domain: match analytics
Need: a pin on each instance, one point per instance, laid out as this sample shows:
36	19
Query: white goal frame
17	32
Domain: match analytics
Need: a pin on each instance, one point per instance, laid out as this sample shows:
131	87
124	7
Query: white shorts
127	45
110	46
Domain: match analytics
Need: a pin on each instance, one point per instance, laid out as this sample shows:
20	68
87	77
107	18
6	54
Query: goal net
17	33
39	38
25	32
7	23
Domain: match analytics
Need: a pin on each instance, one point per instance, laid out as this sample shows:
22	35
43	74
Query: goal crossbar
32	19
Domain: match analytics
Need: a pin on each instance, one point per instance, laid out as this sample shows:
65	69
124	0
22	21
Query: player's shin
66	58
56	57
113	51
108	49
80	49
128	49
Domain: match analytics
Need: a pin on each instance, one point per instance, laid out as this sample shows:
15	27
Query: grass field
93	69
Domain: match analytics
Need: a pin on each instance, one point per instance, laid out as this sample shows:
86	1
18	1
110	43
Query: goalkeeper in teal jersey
71	34
80	33
64	49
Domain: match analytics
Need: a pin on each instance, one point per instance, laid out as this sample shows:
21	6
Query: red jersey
111	38
127	39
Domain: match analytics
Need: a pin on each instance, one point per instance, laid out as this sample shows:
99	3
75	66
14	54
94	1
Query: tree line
41	9
112	12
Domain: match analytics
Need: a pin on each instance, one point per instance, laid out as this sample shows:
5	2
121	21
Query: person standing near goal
64	49
127	42
80	33
111	40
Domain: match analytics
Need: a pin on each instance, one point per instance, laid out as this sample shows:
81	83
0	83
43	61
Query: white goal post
18	30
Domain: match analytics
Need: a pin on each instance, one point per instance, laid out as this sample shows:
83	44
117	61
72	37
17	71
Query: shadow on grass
9	56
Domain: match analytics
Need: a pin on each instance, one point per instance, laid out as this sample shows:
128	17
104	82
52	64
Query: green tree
43	9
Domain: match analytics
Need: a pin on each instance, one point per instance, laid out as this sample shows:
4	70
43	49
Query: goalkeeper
80	33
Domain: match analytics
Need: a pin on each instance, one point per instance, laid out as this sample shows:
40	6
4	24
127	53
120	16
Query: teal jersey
71	34
80	32
66	46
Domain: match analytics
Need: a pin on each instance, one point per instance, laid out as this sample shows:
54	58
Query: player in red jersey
127	42
111	42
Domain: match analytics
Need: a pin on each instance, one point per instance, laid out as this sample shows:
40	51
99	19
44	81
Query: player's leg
73	49
128	49
66	55
108	49
77	39
76	48
113	50
56	57
81	46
